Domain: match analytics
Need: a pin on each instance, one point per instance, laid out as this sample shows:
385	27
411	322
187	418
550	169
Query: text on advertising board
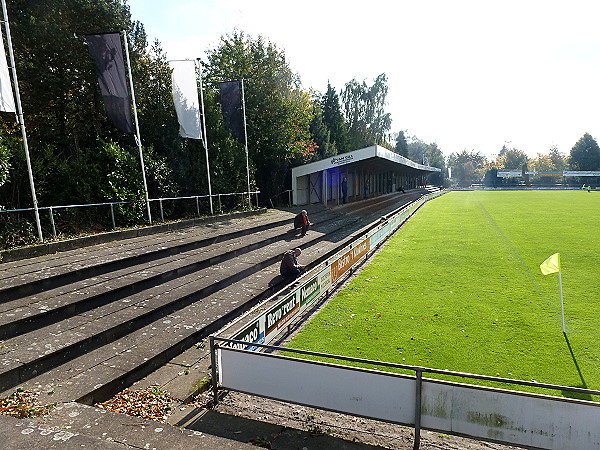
348	259
282	313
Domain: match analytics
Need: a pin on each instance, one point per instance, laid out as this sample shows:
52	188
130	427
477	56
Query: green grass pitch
459	288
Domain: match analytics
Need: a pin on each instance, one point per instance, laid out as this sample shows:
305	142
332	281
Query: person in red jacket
301	222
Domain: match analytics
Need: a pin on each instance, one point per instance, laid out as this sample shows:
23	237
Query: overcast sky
469	75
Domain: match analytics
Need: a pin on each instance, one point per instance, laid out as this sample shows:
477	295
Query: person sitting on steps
289	263
301	222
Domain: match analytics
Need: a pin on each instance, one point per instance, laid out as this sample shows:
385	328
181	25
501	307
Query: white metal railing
52	209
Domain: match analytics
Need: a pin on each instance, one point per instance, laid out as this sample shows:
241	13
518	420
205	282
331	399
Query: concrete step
26	355
30	276
72	425
28	313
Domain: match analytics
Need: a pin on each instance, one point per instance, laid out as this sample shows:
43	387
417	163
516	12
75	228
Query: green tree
417	149
401	145
334	119
278	111
585	154
435	158
364	111
321	135
512	159
467	167
64	113
553	161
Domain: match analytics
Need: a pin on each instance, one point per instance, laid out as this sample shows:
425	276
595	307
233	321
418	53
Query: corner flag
551	265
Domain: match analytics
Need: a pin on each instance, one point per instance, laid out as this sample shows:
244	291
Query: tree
435	158
64	113
417	149
321	135
585	154
333	119
467	167
553	161
512	159
401	145
364	111
278	113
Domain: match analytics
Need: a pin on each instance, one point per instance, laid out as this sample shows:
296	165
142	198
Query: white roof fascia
355	156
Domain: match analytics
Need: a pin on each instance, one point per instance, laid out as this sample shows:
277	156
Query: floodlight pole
21	120
562	306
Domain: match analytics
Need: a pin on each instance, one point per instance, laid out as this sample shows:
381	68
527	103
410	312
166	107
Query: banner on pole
185	98
231	104
551	265
7	100
107	52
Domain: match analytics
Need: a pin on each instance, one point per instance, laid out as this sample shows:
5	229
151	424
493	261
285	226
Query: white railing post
112	215
52	222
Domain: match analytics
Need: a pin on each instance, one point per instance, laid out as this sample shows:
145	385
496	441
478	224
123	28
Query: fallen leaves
150	403
22	404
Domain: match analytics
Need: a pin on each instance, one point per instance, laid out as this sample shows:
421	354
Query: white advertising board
362	392
508	416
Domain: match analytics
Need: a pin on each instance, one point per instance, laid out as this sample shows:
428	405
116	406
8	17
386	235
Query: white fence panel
362	392
510	417
513	417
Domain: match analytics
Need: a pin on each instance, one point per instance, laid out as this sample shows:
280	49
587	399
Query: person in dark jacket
289	263
301	222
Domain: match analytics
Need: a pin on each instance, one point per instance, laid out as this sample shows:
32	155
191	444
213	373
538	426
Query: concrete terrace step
27	313
39	350
118	363
30	276
73	425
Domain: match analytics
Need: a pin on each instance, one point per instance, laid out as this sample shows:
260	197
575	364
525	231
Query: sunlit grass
459	288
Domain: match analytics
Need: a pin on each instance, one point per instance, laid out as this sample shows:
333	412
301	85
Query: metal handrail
51	209
412	368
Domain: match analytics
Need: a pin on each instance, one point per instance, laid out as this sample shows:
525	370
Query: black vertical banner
107	53
231	104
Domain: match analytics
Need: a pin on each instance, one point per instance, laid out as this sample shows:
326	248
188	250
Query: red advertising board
339	267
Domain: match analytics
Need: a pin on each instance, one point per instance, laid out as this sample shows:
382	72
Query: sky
469	75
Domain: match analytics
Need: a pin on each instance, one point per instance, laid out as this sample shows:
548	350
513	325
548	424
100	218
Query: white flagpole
562	306
137	127
205	137
246	142
21	120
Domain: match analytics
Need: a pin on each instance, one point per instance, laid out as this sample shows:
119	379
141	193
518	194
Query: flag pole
21	120
205	137
246	142
562	306
137	127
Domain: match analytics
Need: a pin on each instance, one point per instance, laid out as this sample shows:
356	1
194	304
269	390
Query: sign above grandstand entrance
343	159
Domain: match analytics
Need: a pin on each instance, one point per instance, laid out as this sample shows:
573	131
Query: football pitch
459	287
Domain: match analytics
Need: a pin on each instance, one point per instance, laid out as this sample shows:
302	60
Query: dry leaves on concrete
150	403
22	404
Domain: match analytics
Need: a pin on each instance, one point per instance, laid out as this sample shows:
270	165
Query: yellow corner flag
551	265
